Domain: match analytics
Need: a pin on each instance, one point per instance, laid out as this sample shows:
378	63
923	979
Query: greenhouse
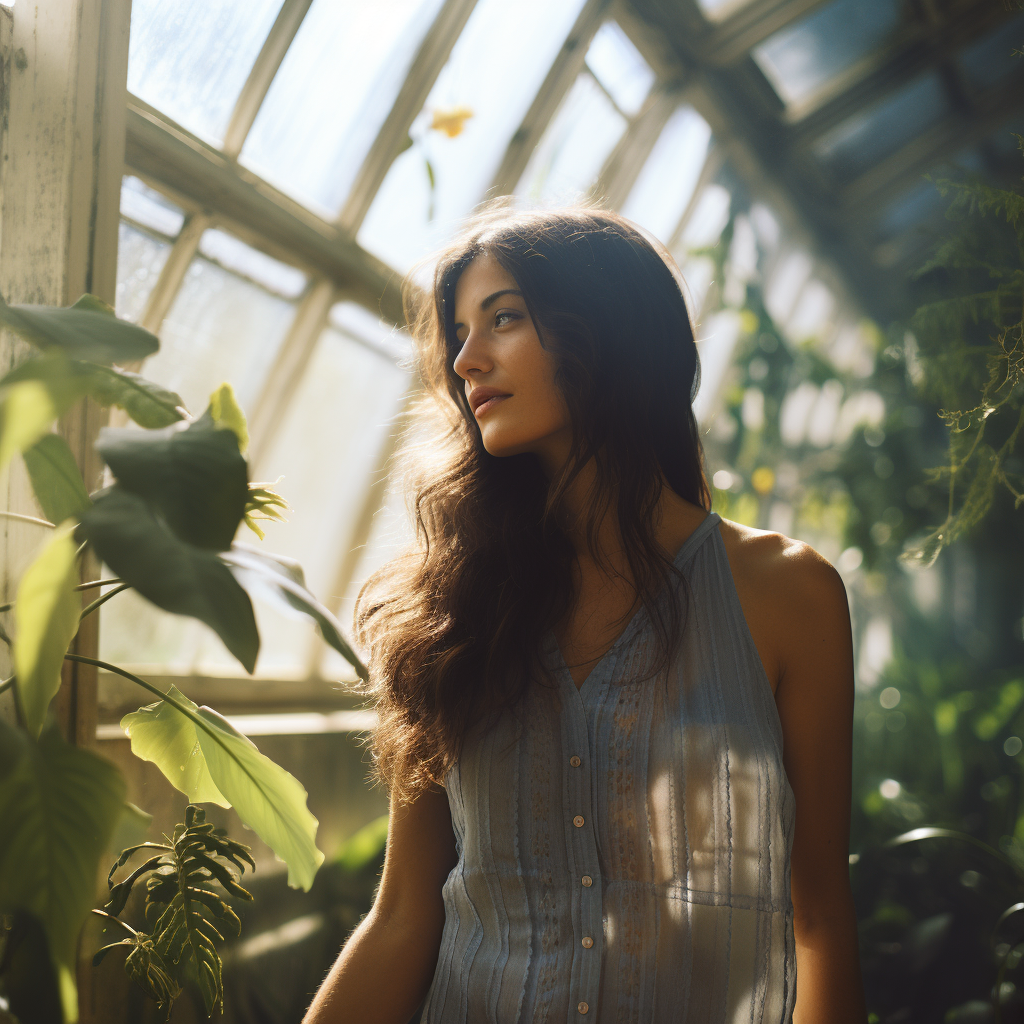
255	194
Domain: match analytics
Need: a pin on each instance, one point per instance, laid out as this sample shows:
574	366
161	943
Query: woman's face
501	353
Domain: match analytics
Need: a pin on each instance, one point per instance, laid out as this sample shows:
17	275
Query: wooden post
63	157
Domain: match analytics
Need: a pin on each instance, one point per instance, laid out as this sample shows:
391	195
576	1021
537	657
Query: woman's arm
815	702
386	966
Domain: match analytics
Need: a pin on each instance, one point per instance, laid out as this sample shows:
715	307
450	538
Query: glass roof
447	170
335	86
799	59
191	58
616	63
873	134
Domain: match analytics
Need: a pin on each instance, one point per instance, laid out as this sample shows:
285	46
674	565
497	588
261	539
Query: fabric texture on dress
624	848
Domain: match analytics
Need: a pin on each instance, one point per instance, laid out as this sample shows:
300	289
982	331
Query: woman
616	728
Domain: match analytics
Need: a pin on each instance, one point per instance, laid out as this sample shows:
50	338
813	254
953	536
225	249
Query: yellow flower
451	121
762	479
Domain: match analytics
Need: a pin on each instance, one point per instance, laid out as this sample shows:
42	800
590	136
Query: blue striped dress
624	848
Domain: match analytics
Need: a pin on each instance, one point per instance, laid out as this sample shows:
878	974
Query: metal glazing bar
173	273
631	152
567	65
373	498
430	59
247	106
290	364
712	164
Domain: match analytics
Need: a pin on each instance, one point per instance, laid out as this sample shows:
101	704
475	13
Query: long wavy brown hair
453	629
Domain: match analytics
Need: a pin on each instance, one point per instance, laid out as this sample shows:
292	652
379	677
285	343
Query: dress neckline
681	556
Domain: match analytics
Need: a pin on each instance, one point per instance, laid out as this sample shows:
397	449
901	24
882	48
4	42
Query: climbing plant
166	527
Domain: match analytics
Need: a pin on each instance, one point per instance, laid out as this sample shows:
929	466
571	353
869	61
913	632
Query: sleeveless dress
624	848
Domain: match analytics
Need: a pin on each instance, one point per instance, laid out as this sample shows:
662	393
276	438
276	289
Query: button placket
586	967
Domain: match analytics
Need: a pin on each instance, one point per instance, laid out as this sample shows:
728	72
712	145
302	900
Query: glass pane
575	145
706	224
221	327
335	86
910	209
234	255
616	63
191	58
666	183
140	258
149	208
717	10
801	58
991	59
409	218
324	450
873	134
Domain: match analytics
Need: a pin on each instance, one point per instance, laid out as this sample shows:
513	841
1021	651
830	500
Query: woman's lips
484	406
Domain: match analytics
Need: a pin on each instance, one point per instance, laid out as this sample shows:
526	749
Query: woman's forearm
380	977
829	988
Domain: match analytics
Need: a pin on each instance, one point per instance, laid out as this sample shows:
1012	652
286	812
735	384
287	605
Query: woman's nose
472	356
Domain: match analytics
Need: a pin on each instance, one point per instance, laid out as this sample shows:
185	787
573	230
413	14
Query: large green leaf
175	576
282	581
196	477
269	800
87	330
58	805
162	734
149	404
46	613
56	479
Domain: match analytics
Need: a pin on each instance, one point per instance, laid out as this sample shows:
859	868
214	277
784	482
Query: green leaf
59	805
27	412
87	330
196	477
281	580
227	414
56	479
46	613
269	800
174	575
365	846
162	734
149	404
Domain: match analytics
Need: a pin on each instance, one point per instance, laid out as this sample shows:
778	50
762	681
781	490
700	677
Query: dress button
578	821
587	942
587	881
574	761
582	1007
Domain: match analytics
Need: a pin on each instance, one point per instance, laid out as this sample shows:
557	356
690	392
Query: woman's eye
505	316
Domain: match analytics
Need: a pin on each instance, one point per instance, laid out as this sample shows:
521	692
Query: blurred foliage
939	717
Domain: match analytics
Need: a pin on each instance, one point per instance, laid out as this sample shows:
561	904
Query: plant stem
28	519
7	683
93	605
110	917
135	679
97	583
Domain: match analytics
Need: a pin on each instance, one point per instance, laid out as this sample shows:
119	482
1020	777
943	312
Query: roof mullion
627	159
290	362
164	292
253	93
566	66
433	53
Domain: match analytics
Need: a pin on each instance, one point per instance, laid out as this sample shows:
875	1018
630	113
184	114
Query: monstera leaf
184	908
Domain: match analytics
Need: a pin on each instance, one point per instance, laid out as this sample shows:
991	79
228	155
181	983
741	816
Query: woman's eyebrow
492	298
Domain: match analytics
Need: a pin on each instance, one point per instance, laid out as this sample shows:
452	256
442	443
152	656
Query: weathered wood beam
167	154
